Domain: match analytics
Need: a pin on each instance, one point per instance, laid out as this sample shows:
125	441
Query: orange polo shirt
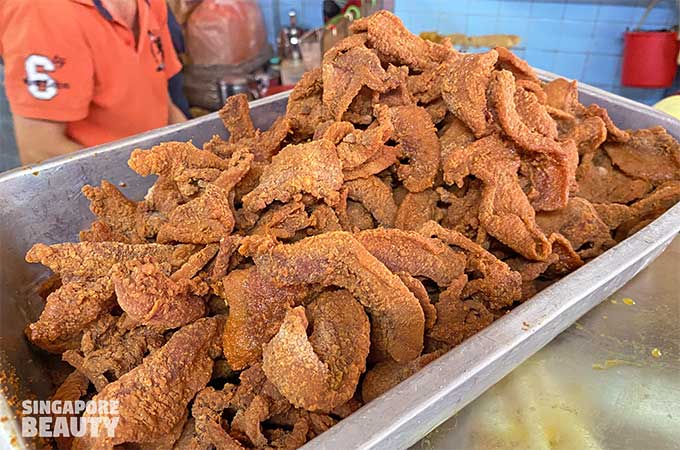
71	61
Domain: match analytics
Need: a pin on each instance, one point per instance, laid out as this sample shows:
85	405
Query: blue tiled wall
578	39
275	12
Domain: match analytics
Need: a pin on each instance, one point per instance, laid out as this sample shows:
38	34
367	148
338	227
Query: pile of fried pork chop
270	284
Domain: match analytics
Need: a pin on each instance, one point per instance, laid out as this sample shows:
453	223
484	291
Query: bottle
292	68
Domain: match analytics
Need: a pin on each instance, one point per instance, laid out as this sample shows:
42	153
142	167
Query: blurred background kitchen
261	47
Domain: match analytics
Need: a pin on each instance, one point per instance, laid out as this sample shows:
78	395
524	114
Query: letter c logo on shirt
40	84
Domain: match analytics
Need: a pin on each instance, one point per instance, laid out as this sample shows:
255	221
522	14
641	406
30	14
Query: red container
649	58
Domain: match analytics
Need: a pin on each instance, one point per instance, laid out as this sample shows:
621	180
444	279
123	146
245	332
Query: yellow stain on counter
628	301
609	363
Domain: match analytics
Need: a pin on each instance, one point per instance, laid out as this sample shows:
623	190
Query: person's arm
175	115
41	139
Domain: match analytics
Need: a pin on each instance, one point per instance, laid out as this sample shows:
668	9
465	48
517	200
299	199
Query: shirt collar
101	8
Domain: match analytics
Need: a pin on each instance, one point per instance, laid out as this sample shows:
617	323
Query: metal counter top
599	385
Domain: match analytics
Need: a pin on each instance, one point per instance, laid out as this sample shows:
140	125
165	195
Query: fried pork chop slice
113	210
257	307
375	196
305	105
416	209
551	164
312	168
504	210
338	259
413	253
491	280
68	311
111	349
208	217
153	397
180	162
465	90
93	260
396	45
321	371
652	155
149	296
384	376
581	225
418	142
458	319
347	67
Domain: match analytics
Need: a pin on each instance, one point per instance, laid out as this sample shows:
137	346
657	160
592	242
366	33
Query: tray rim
656	235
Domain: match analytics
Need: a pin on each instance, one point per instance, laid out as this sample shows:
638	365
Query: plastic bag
182	9
225	32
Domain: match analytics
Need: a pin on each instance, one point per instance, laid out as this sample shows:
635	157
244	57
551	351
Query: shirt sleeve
49	71
171	60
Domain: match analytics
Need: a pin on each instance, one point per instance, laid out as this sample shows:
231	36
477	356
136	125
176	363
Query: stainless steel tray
44	204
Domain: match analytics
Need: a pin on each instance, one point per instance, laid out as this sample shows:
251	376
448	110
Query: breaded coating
599	181
563	95
511	62
362	153
613	132
305	106
418	290
587	133
384	376
413	253
533	113
338	259
376	197
580	224
72	389
150	297
282	221
504	211
387	34
416	209
462	213
68	311
458	319
93	260
347	67
553	164
208	217
256	309
497	287
323	219
385	157
357	217
651	155
628	219
426	87
319	372
120	352
235	115
195	263
153	397
112	209
313	168
418	142
261	144
465	90
180	162
206	411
